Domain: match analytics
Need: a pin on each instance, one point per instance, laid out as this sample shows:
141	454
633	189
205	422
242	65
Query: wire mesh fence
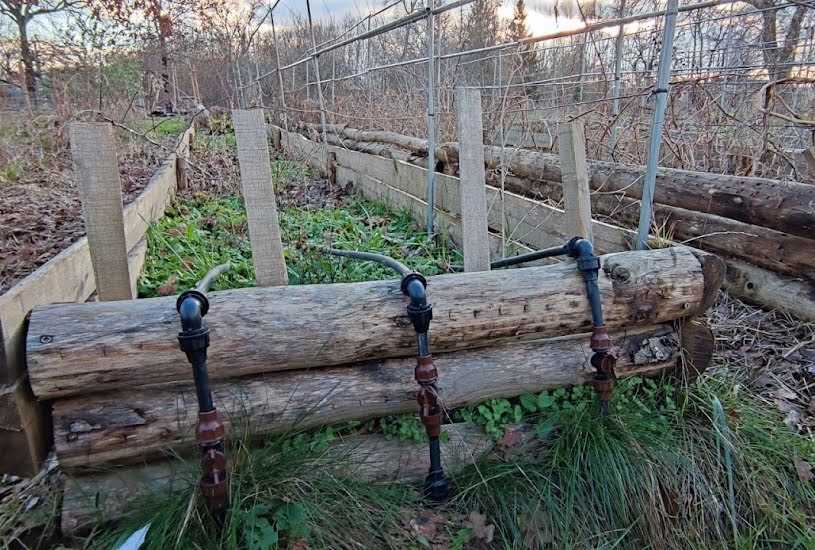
741	91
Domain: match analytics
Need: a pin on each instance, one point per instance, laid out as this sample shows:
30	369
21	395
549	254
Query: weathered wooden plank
68	276
126	425
25	430
529	221
97	172
76	348
449	225
473	180
575	175
785	206
259	197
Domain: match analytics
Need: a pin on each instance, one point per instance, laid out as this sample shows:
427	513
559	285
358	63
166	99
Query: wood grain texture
68	276
105	495
96	169
756	285
529	221
788	207
259	197
473	211
125	425
25	430
780	252
575	175
77	348
449	225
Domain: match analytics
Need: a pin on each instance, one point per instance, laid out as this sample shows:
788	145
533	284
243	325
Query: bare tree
21	12
778	55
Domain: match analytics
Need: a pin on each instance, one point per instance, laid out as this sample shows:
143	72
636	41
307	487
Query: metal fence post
431	120
661	93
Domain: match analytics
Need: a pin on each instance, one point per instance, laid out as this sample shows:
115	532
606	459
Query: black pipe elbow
419	311
581	250
589	265
192	306
413	286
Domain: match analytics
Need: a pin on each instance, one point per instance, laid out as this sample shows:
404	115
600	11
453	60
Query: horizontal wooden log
81	348
788	207
765	288
785	206
539	225
410	143
125	425
779	252
107	495
536	223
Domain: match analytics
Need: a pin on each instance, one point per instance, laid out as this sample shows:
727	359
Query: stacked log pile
312	355
764	229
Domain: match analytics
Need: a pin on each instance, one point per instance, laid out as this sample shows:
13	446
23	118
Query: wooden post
258	194
473	180
575	177
182	154
97	174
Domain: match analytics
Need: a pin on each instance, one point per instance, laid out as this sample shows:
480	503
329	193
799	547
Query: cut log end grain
83	348
124	426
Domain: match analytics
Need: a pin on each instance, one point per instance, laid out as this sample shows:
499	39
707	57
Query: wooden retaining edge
105	495
785	206
67	277
538	225
779	252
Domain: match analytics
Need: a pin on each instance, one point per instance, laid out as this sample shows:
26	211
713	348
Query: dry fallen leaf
169	288
512	438
478	523
426	524
804	469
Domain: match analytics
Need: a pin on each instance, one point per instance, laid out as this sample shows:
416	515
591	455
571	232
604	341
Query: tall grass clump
290	493
654	474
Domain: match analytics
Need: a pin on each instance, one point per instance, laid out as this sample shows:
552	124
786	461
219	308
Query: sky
539	20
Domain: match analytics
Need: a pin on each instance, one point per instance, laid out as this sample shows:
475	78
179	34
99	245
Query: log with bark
788	207
780	252
83	348
783	253
106	495
126	426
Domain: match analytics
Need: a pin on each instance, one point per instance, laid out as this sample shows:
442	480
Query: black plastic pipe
589	265
396	265
529	257
420	312
194	339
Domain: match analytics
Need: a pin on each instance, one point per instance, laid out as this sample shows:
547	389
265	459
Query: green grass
198	234
652	475
278	499
157	128
657	473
